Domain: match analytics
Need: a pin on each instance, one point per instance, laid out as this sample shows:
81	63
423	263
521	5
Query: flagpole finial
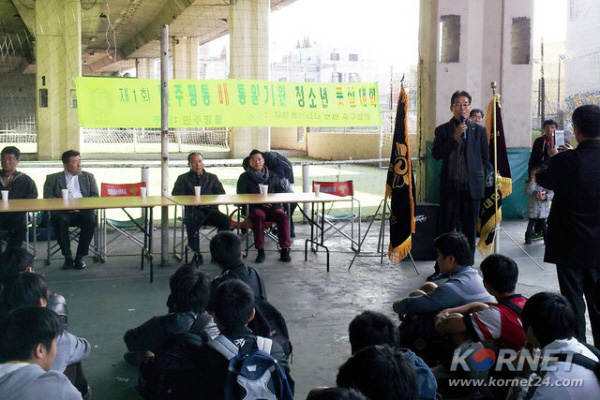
493	86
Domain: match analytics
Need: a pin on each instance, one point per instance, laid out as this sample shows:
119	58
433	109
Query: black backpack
168	374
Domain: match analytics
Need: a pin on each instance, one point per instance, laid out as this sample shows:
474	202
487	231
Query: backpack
268	322
253	375
168	374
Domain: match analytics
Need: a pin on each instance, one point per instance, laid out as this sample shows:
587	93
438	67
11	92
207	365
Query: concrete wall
287	139
345	146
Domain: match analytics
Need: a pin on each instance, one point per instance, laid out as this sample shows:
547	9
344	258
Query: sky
384	30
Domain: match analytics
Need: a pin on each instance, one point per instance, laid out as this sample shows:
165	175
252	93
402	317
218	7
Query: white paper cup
5	195
64	193
264	189
197	190
143	191
317	189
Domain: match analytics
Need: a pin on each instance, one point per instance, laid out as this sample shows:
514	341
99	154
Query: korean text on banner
135	103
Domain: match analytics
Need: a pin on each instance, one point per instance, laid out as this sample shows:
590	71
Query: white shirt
73	186
590	389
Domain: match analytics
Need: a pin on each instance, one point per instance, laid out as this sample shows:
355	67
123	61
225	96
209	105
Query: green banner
135	103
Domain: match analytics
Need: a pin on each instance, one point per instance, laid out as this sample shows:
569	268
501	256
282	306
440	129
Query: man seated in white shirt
79	184
549	324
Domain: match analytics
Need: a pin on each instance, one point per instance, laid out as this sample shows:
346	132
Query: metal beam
171	10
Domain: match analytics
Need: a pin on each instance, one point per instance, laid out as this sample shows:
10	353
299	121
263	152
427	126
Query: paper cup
317	189
264	189
197	190
64	193
5	195
143	191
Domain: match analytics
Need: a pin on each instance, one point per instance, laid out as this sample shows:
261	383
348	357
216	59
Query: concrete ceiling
134	25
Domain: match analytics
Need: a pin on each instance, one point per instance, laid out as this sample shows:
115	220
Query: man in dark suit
79	184
195	217
462	145
574	220
19	186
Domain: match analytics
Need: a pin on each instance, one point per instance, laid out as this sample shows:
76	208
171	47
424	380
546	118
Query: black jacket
245	185
210	184
477	156
153	332
574	220
246	274
21	187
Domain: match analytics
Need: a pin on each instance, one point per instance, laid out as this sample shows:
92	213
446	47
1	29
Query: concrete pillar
249	47
185	58
466	44
58	62
145	68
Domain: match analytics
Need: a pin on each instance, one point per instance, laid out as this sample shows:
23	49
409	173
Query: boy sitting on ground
30	290
372	328
500	321
549	323
226	251
418	310
187	303
17	260
233	309
27	350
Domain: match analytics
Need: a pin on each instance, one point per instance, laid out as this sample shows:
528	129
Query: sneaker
260	258
285	255
197	259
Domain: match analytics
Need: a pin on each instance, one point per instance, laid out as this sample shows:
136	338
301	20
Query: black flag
399	186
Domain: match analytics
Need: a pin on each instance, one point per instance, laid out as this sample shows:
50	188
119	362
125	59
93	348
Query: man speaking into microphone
462	146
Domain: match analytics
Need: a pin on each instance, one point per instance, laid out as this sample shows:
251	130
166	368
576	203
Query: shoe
528	240
79	263
197	259
285	255
260	258
436	276
68	264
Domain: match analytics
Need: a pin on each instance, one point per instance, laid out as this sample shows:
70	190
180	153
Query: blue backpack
253	375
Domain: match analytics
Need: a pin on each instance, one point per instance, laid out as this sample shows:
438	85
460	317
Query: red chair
341	223
126	228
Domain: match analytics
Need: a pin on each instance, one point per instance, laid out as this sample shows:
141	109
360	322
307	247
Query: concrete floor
107	299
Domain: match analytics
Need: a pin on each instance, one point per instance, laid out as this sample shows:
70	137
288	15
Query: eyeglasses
459	105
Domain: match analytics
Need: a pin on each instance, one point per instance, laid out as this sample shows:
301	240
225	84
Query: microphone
462	121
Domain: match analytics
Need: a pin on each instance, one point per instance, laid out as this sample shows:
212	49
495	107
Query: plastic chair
338	222
126	228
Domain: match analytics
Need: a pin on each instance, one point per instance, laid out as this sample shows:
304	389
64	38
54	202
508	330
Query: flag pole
493	86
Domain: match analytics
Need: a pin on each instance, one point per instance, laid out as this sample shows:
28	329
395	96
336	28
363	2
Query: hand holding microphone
461	130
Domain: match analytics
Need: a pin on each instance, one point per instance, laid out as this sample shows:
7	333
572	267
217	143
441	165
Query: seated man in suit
195	217
79	184
19	186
